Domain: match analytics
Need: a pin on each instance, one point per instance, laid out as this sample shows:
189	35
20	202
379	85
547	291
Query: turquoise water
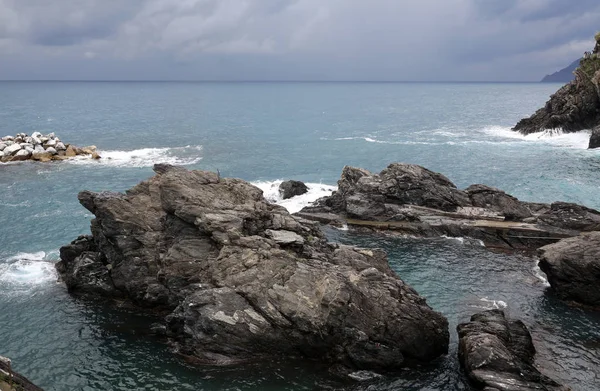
264	132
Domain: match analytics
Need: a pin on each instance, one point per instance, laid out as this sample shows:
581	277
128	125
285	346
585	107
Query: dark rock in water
574	107
594	138
498	354
573	268
417	201
242	279
13	381
289	189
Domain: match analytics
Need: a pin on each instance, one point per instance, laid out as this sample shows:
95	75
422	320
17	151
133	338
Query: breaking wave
145	157
556	137
295	204
25	270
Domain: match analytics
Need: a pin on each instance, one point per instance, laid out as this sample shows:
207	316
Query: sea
265	133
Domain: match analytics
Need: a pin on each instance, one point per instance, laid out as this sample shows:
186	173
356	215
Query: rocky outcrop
241	279
594	138
413	200
574	107
289	189
39	147
13	381
497	354
573	268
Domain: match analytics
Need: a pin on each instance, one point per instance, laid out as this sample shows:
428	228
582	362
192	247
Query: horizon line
278	81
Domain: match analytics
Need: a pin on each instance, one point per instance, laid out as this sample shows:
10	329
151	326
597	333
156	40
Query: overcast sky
403	40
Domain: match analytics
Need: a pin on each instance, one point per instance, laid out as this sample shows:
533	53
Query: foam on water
25	270
557	137
490	304
145	157
295	204
540	274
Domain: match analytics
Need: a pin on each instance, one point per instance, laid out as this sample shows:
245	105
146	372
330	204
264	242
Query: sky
366	40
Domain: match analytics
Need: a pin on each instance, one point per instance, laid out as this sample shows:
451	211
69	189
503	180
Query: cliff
575	106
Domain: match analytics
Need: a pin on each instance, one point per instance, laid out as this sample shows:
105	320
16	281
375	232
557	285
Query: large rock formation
573	268
415	200
497	354
240	278
574	107
40	147
13	381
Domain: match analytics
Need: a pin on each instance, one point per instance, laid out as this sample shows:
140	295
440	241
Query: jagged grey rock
498	354
243	279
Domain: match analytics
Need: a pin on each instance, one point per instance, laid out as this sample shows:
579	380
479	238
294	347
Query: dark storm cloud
293	39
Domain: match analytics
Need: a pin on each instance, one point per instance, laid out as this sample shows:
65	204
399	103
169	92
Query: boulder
8	138
51	150
36	134
242	279
41	156
60	146
497	354
89	149
50	143
70	151
96	155
289	189
594	138
2	146
573	268
511	208
12	149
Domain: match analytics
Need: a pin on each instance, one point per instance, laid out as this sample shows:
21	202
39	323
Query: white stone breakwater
40	147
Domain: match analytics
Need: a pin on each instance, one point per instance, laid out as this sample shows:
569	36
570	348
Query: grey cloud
293	39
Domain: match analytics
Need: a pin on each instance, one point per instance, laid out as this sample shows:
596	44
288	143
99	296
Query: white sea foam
145	157
465	240
24	270
315	191
556	137
540	274
490	304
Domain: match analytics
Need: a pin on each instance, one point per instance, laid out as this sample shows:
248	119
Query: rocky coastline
40	147
237	278
575	106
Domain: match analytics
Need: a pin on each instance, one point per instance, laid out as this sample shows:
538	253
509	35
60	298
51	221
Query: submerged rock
573	268
498	354
417	201
574	107
289	189
242	279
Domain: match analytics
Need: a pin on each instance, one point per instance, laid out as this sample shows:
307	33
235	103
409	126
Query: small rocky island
40	147
574	107
237	278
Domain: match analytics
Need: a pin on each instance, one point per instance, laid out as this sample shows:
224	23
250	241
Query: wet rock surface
238	278
573	268
497	354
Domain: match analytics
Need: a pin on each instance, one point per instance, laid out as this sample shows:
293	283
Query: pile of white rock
40	147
